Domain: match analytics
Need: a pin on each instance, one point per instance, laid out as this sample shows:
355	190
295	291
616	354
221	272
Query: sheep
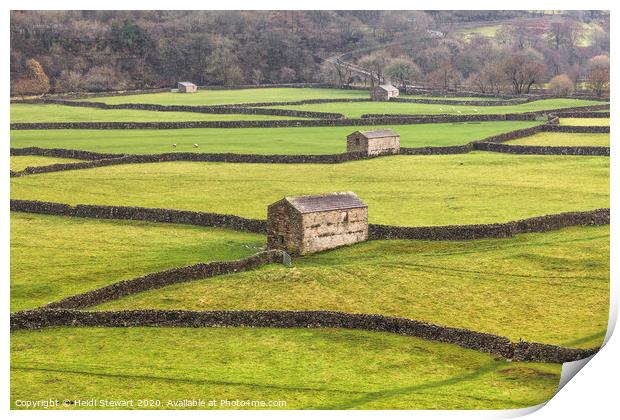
174	145
195	145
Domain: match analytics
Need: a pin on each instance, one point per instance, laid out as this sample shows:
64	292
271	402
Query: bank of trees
554	53
113	50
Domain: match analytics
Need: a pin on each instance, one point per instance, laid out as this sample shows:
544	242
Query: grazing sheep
459	112
475	110
195	145
174	146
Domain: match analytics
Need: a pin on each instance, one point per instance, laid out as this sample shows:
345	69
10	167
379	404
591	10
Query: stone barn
307	224
187	87
384	92
374	143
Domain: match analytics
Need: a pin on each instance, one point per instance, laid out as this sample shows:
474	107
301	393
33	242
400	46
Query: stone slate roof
387	132
388	88
186	84
326	202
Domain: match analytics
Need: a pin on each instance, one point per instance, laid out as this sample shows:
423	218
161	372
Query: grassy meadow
356	109
19	163
252	95
28	113
476	187
306	368
564	139
549	287
585	121
285	140
53	257
234	96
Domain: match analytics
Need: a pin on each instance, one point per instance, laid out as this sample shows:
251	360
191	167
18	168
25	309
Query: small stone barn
307	224
187	87
384	92
374	143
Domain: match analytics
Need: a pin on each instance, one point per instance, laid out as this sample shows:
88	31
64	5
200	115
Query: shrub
562	85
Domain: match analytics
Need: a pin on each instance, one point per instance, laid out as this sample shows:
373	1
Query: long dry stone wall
576	129
166	278
532	115
365	120
494	230
543	150
470	102
215	109
63	153
226	221
375	231
584	114
488	343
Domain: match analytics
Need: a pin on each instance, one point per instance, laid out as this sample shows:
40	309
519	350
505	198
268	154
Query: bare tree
402	70
598	75
523	69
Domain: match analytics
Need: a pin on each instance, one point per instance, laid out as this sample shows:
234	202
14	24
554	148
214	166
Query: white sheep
174	145
195	145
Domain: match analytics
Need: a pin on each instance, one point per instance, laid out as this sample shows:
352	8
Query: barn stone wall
284	228
331	229
384	146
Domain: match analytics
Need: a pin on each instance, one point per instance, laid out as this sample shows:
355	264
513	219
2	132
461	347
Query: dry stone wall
488	343
576	129
166	278
375	231
226	221
543	150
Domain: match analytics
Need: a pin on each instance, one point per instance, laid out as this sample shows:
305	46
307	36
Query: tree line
72	51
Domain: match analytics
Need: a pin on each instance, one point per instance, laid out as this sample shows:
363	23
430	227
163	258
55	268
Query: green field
356	109
547	287
25	113
476	187
488	31
53	257
19	163
292	140
585	121
234	96
564	139
306	368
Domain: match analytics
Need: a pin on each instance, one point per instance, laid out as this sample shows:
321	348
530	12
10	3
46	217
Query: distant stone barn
384	92
307	224
187	87
374	143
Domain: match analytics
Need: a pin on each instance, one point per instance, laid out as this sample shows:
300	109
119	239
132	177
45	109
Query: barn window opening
280	240
357	142
344	216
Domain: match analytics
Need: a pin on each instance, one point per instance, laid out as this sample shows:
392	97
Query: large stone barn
374	143
187	87
384	92
307	224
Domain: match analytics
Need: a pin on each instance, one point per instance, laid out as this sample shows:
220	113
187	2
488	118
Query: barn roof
186	84
388	88
387	132
326	202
